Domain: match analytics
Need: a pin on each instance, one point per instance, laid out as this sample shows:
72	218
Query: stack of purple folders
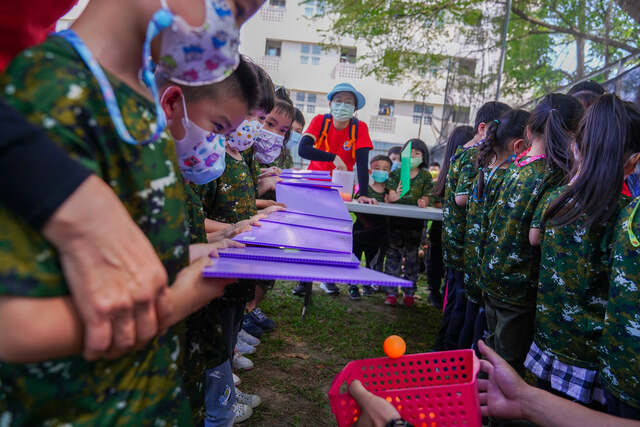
309	241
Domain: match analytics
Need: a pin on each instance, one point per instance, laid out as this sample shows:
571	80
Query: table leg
307	298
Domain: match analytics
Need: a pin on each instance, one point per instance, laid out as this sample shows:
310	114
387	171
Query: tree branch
631	7
579	34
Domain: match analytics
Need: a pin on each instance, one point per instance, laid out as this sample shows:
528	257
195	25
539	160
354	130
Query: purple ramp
291	255
312	201
306	172
291	236
309	221
273	270
309	183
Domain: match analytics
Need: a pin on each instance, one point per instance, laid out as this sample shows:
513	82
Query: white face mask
268	146
245	136
200	153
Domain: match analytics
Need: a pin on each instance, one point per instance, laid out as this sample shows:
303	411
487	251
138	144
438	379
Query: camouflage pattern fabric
573	287
620	341
475	229
50	85
509	269
454	216
404	239
368	220
421	185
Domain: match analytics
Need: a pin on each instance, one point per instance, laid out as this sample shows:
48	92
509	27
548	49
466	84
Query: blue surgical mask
380	175
395	165
294	139
341	111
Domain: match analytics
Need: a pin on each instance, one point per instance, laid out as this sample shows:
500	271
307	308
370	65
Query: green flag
405	169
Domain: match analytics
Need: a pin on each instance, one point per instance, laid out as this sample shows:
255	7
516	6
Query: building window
466	67
348	55
386	107
311	109
273	48
306	101
304	59
277	3
456	114
315	60
311	97
312	51
314	8
422	111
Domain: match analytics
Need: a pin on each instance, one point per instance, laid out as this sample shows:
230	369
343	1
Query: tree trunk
631	7
580	41
607	34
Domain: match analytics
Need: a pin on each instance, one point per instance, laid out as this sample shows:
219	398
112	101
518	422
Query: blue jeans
220	396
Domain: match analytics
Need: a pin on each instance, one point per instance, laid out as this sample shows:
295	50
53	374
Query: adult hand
374	410
501	394
367	200
113	273
339	164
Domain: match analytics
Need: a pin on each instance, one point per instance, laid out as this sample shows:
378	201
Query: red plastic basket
428	389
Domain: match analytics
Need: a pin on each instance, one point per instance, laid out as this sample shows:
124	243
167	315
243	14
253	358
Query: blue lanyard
474	196
160	20
454	157
634	185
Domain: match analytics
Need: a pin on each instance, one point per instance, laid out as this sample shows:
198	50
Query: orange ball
394	346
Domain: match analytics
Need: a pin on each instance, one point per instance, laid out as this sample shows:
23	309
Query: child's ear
370	171
630	165
519	145
482	130
171	101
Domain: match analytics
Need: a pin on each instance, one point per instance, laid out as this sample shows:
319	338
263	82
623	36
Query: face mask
379	175
204	55
294	139
415	162
342	111
245	136
395	165
268	146
200	153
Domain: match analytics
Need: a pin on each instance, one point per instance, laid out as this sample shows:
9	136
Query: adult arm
306	150
362	163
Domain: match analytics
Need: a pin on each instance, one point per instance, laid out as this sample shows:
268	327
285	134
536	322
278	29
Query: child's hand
367	200
200	250
272	207
394	196
272	171
422	203
339	164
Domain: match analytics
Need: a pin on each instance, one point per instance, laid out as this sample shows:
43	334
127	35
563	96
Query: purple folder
273	270
312	201
309	221
291	256
306	172
309	183
291	236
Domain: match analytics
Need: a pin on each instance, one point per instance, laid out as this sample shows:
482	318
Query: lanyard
106	89
530	160
454	157
632	236
493	171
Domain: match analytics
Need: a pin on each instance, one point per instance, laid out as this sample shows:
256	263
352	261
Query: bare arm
535	236
462	200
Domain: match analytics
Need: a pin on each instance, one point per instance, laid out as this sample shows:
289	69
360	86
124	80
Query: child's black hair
381	157
590	85
283	104
609	134
499	133
418	144
586	98
394	150
556	119
433	164
266	96
299	117
489	112
460	136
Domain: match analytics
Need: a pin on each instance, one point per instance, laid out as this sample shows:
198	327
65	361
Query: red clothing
625	189
25	23
337	140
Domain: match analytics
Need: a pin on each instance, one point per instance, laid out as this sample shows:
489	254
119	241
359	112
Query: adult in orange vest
339	140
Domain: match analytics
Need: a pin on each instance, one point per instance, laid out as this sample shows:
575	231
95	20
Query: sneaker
251	400
354	293
261	320
376	288
391	300
367	291
300	290
236	380
248	338
241	413
329	288
241	363
250	327
244	348
408	300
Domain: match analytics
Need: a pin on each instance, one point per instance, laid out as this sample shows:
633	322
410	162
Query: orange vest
322	143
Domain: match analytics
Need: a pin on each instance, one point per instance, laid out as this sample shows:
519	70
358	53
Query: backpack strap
322	143
353	136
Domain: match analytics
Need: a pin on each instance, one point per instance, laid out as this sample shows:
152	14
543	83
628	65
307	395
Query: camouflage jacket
509	269
421	185
50	85
478	209
573	287
620	341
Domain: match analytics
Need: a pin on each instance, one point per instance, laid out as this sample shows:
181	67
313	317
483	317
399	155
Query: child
140	387
459	182
405	233
578	221
509	267
394	154
294	139
277	123
369	230
503	141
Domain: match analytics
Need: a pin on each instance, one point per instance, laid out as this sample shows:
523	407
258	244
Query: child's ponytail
486	151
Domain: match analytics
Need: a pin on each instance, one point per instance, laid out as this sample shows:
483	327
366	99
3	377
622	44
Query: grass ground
295	364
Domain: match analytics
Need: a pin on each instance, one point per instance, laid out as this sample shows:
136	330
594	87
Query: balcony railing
345	70
383	124
272	14
271	64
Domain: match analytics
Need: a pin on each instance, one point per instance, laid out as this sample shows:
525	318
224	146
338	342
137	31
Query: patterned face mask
203	55
245	136
342	111
268	146
200	153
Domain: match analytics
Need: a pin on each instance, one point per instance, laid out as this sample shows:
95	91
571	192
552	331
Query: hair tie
497	121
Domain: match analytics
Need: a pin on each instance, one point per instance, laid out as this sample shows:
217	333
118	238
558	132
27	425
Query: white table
394	209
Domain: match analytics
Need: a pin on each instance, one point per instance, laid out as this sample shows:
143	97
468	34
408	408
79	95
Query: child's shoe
236	380
248	338
391	300
329	288
354	293
241	412
251	327
367	291
408	300
251	400
241	363
244	348
260	319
